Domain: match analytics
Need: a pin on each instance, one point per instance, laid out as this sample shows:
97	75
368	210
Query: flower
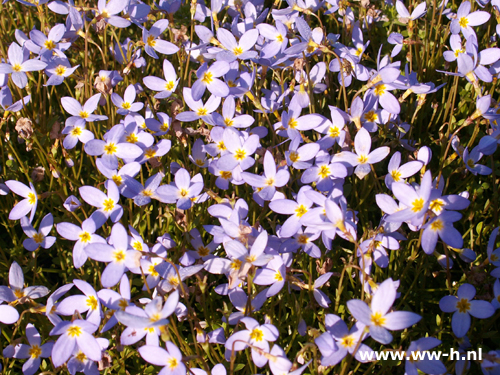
108	11
239	152
127	105
89	303
378	318
153	43
118	256
182	191
422	361
25	206
33	352
257	336
164	86
18	66
237	50
38	239
107	204
16	292
441	225
463	307
170	358
208	79
77	333
465	20
80	112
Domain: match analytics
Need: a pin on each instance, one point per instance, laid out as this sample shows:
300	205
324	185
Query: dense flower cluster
261	160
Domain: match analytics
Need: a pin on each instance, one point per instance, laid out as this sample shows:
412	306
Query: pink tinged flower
442	226
147	322
89	303
337	341
208	78
397	172
257	336
417	203
18	66
83	236
108	11
166	86
79	112
182	191
378	318
38	238
463	307
118	256
295	208
363	158
25	206
270	180
170	359
153	43
239	151
426	364
465	20
75	133
127	105
113	147
107	204
237	50
33	351
76	334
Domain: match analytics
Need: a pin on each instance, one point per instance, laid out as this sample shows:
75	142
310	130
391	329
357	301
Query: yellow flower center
207	78
347	341
203	251
240	154
81	357
334	131
170	85
31	198
257	334
437	225
225	175
236	264
292	123
108	204
362	159
110	149
85	237
221	146
74	331
35	351
463	22
202	111
324	171
303	239
278	276
270	181
380	89
183	193
294	156
119	255
301	210
417	205
228	122
19	293
16	67
237	51
147	193
75	132
396	175
123	304
174	281
126	105
172	363
91	302
494	257
105	13
118	180
371	116
84	114
60	70
152	271
151	41
463	305
38	237
279	38
377	319
149	153
132	138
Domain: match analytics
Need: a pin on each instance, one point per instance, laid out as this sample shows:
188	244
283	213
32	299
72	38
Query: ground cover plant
249	187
